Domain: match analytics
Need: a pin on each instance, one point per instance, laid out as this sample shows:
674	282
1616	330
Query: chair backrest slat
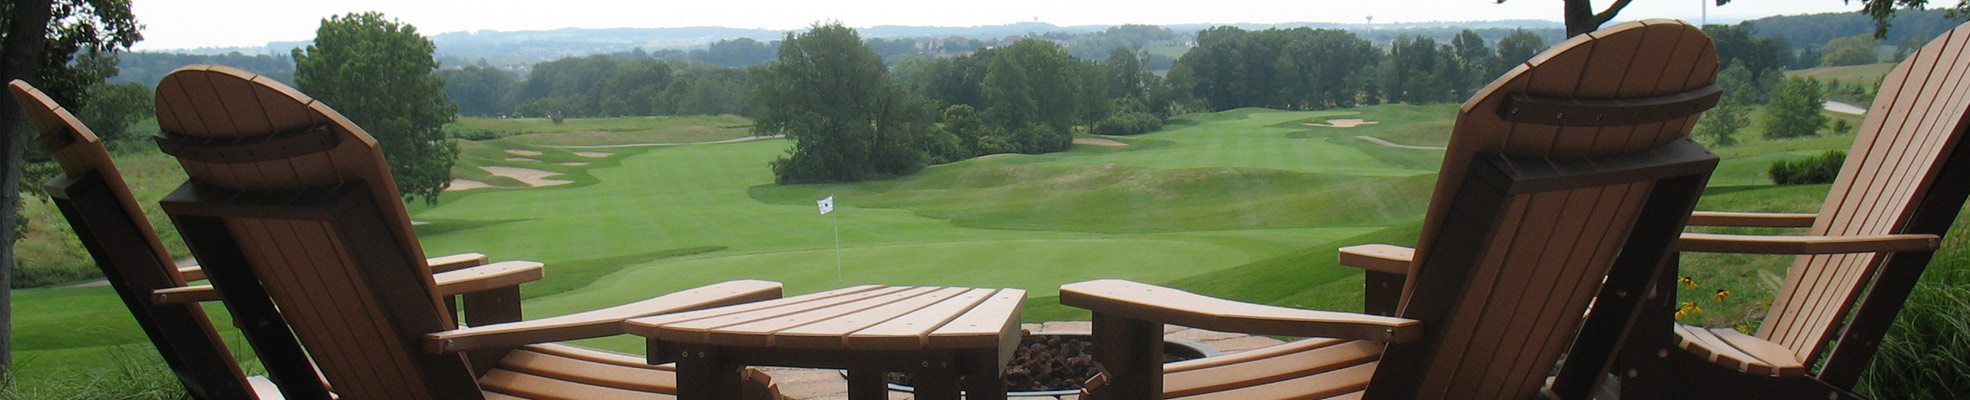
1500	331
1917	119
99	206
355	286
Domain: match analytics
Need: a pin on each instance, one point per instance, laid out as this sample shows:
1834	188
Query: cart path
618	146
1385	143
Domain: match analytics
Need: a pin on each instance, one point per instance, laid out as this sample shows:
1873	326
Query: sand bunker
1092	141
521	159
531	177
573	164
463	185
529	153
593	154
1344	123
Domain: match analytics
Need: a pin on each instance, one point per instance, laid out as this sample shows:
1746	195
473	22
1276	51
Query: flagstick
837	220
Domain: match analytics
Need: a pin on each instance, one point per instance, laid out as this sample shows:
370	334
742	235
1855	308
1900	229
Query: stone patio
828	384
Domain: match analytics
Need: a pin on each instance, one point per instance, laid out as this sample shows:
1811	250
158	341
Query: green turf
1863	74
611	131
1247	204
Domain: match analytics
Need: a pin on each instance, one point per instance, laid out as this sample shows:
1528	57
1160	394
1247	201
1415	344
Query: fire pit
1057	363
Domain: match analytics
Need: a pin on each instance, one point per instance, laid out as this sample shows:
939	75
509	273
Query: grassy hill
1852	74
1248	204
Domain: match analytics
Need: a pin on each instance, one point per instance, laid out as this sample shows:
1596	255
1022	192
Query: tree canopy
41	38
833	98
379	73
1795	110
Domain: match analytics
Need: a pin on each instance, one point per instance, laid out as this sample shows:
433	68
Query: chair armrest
438	264
1379	258
460	281
1752	219
1165	305
1767	244
192	272
486	277
183	295
455	262
597	323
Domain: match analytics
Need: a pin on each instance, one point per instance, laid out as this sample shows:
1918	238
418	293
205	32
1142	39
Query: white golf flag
827	205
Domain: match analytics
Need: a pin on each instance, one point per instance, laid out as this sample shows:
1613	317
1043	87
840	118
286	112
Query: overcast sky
176	24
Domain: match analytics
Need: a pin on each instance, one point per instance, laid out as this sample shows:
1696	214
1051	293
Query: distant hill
528	47
1814	30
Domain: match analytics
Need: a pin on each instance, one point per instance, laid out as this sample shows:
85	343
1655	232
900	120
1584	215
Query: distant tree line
1753	78
601	86
1310	69
148	67
850	118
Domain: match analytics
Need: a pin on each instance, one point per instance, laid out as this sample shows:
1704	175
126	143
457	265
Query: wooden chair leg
703	374
486	308
867	383
1382	293
1130	352
984	377
937	379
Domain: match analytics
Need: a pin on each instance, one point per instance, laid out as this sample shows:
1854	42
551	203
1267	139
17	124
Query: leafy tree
962	122
480	91
41	38
830	94
379	73
1516	48
1476	60
1795	110
958	80
734	53
1412	75
1720	125
1851	50
712	91
1742	43
109	109
1094	100
1033	89
1279	68
635	90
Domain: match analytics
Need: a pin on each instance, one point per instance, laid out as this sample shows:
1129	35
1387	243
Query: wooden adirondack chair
289	203
1904	182
92	195
1572	168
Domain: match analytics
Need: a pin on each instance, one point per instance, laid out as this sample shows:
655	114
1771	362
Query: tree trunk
1580	18
20	58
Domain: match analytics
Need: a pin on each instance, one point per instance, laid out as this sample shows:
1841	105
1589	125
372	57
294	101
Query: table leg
984	376
867	383
938	377
703	374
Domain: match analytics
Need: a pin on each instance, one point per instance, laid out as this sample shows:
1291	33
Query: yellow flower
1689	307
1721	294
1743	328
1687	282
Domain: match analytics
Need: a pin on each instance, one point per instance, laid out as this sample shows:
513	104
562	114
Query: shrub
1128	123
474	134
1817	169
1926	353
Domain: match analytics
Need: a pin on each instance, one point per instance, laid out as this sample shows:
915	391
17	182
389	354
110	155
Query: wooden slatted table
938	334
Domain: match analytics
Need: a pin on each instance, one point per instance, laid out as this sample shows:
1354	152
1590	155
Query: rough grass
49	252
608	131
1865	74
1248	204
1924	355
